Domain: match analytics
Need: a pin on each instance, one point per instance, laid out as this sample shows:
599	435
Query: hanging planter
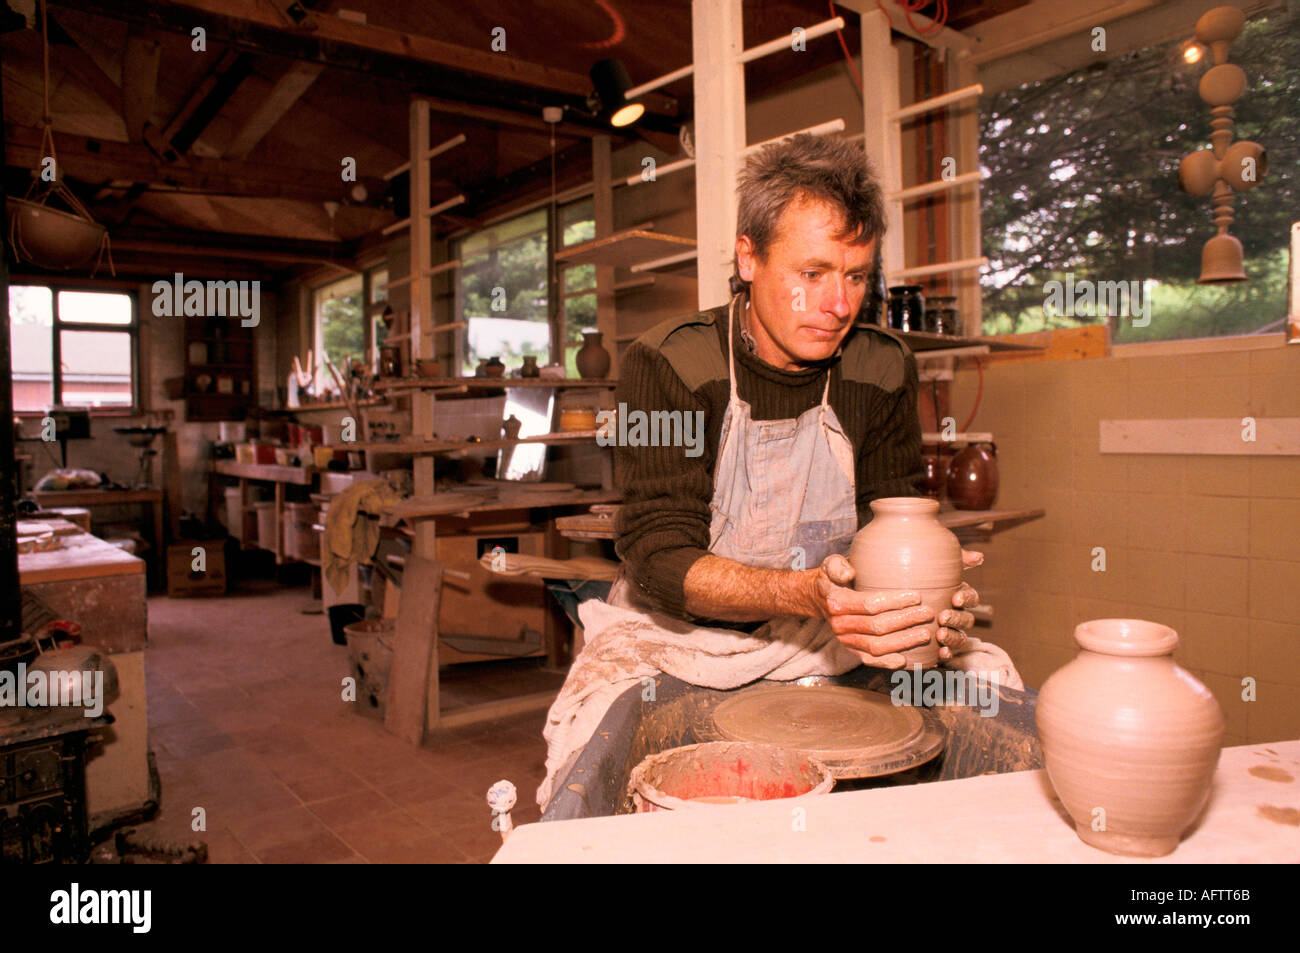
49	237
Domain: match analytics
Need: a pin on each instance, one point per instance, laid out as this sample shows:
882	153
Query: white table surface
990	819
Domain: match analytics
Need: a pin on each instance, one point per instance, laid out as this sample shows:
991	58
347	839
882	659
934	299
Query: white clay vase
905	547
1130	739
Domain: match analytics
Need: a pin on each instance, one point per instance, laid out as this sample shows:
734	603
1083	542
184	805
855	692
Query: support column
717	42
882	140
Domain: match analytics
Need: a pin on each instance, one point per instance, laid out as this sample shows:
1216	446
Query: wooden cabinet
220	369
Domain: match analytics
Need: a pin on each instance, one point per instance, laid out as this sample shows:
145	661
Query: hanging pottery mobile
1226	167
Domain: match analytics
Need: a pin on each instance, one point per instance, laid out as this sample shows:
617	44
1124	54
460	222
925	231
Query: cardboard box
182	577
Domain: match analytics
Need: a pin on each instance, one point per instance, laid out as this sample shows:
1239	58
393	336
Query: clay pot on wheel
1130	739
906	547
973	477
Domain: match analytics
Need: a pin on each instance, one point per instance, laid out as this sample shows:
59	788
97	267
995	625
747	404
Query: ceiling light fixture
612	82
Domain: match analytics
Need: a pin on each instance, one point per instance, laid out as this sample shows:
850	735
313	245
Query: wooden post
882	139
603	208
717	42
422	348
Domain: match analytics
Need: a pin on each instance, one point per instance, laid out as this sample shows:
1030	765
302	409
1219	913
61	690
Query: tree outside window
1109	208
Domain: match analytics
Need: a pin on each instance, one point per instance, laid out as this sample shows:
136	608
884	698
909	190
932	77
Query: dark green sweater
681	364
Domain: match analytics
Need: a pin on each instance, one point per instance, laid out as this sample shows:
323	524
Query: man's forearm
718	588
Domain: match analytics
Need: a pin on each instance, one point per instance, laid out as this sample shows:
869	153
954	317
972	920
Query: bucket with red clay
724	772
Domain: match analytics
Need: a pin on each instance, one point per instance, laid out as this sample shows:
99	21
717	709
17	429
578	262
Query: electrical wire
839	34
915	6
979	392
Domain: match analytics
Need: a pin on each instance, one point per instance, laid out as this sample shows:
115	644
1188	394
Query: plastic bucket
235	512
725	772
370	648
265	524
300	541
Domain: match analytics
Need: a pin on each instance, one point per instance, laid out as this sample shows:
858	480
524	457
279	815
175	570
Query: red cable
620	29
915	6
845	47
979	392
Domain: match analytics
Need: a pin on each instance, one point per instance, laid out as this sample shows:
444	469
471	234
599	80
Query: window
340	329
503	292
1108	209
504	289
71	347
579	281
378	278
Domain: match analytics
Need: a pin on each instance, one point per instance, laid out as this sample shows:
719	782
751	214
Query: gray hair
822	167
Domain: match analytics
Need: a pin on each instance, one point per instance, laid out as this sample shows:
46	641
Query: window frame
321	376
55	285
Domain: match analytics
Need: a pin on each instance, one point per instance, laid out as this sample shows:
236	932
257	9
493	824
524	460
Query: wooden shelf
415	448
487	383
271	472
920	341
484	500
624	249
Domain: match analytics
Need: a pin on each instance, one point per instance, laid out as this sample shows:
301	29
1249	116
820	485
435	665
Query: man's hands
879	627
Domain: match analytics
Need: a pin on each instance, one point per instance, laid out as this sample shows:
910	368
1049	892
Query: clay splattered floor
246	722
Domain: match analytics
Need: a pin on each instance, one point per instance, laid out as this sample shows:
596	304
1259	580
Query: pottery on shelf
592	359
495	368
1130	740
481	370
935	473
906	547
973	477
530	368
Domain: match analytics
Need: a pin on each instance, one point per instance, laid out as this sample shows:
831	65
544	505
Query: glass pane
379	285
503	293
579	314
31	340
579	222
96	368
94	307
340	328
579	278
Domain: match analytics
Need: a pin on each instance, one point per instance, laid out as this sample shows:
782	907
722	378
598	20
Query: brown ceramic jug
1130	739
906	547
592	359
973	477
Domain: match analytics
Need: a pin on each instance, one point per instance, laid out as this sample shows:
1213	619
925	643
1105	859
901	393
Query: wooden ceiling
237	150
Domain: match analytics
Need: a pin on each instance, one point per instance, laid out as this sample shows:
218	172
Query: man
734	563
699	536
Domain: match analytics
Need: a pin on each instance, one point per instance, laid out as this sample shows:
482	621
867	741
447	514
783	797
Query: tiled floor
246	721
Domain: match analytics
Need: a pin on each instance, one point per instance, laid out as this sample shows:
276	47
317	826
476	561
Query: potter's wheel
855	733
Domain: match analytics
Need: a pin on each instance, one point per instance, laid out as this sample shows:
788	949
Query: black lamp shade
611	80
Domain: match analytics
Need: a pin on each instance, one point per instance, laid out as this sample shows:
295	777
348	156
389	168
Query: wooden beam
287	91
287	253
93	160
139	80
235	16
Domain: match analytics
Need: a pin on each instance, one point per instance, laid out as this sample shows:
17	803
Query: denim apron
783	490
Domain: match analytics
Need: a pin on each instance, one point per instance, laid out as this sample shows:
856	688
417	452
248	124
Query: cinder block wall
1209	545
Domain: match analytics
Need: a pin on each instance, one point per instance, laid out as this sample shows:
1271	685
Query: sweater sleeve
663	524
889	463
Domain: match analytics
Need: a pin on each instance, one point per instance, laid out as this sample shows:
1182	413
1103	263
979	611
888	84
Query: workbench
153	498
1000	818
102	589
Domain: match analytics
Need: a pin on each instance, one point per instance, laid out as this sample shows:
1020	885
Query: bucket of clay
370	648
724	772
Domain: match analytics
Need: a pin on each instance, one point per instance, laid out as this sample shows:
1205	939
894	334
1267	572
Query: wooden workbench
49	499
1000	818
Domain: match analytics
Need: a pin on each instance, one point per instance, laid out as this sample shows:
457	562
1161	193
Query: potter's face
808	288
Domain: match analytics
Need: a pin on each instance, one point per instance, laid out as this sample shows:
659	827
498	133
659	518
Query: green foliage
1110	209
343	334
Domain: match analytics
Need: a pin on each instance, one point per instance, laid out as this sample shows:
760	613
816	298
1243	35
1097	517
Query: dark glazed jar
906	308
973	477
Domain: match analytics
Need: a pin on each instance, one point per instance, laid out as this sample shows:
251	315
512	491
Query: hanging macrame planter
49	237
